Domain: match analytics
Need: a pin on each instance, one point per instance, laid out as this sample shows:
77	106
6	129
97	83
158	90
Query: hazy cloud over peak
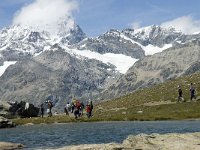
186	24
46	14
136	25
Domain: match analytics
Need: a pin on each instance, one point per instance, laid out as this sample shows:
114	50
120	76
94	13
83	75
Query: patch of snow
36	54
5	66
196	33
46	48
3	48
82	46
149	49
179	42
122	62
145	30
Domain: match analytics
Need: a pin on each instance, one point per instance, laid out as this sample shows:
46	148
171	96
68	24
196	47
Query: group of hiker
76	107
192	93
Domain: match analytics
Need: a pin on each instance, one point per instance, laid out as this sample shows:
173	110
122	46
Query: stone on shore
6	123
168	141
10	146
4	108
109	146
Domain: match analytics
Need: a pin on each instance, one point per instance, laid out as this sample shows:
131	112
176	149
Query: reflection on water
59	135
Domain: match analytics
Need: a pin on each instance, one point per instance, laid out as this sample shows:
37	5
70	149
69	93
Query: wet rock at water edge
10	146
6	123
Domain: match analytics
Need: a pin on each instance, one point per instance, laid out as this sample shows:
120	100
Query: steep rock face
74	36
157	68
55	73
68	32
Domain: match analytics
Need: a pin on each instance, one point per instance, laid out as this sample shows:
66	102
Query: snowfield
5	66
122	62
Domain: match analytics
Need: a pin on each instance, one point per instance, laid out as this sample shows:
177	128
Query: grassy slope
127	107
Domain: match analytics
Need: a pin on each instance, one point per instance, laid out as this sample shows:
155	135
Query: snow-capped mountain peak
153	31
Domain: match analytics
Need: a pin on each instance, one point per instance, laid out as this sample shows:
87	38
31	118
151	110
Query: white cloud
136	25
46	14
186	24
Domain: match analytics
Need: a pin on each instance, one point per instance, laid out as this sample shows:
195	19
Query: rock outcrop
4	109
24	109
21	109
168	141
10	146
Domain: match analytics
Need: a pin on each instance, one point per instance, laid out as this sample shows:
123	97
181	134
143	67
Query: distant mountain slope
160	67
55	73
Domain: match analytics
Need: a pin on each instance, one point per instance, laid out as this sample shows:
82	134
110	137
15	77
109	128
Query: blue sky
98	16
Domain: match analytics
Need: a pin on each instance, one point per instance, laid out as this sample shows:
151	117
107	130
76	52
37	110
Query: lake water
59	135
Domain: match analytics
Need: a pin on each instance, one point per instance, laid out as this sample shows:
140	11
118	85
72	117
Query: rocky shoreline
10	146
170	141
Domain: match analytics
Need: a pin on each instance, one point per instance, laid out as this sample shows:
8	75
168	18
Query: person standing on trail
49	107
88	110
42	110
91	106
66	110
180	94
192	92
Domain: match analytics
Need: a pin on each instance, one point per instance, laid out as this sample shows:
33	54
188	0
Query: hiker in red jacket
88	110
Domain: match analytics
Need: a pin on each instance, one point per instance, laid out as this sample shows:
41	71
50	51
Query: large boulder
6	123
4	109
27	110
24	109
